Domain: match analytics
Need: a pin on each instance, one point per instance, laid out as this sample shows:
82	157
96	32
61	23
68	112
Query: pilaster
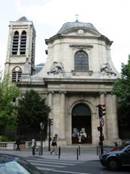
58	106
111	116
62	116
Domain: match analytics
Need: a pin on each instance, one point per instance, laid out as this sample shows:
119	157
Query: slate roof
70	26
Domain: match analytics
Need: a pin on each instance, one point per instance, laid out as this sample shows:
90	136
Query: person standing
33	146
54	144
18	142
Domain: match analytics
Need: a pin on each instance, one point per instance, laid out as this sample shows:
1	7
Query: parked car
115	159
11	164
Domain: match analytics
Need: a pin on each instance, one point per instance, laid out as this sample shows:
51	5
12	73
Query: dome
70	26
74	26
22	19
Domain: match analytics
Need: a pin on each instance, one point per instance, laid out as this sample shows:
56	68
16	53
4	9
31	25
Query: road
55	166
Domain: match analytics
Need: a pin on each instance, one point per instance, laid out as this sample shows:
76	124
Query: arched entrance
81	124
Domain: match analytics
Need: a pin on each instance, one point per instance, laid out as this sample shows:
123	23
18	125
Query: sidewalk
67	153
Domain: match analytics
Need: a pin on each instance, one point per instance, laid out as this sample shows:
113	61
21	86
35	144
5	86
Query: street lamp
41	131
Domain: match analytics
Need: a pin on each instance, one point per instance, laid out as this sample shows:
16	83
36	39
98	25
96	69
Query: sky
110	17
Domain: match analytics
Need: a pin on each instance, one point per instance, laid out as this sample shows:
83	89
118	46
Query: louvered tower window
81	61
23	42
16	74
15	43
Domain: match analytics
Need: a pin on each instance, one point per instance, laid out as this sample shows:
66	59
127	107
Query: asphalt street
55	166
87	163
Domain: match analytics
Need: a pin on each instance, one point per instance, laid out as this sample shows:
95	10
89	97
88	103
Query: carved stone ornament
107	69
57	68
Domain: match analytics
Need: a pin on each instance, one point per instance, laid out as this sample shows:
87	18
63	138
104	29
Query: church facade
77	76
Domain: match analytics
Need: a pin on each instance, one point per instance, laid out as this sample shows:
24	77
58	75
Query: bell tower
20	57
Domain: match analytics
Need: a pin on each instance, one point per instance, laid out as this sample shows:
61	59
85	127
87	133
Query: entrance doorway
81	124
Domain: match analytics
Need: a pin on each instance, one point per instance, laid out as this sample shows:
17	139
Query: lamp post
41	131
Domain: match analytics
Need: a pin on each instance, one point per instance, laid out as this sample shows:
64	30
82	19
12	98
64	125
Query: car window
12	167
29	166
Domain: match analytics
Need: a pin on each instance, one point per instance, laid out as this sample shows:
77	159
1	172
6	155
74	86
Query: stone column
62	115
94	125
59	116
50	103
111	116
56	113
114	118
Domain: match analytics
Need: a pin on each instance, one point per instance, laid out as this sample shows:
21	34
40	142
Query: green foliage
122	90
4	138
8	92
122	86
32	110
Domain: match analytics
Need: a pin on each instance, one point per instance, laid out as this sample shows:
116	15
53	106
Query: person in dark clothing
54	144
33	146
18	142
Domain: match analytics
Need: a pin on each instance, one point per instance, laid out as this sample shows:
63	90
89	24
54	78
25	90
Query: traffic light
99	128
101	110
50	121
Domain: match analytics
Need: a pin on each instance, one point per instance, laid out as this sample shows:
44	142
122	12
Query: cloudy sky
110	17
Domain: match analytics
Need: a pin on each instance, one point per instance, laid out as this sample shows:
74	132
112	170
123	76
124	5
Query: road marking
60	171
51	162
48	165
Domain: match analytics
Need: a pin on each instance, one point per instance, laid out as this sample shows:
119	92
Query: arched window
81	61
23	42
15	43
81	109
16	74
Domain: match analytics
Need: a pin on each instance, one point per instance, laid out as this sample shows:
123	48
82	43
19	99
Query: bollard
59	152
77	151
97	151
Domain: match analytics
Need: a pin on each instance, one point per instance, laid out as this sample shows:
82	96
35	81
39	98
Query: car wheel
113	164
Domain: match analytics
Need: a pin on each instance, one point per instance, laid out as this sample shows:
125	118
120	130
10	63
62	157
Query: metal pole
97	150
49	139
42	128
41	153
77	151
59	152
101	140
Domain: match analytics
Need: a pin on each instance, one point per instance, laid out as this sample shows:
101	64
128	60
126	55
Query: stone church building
77	76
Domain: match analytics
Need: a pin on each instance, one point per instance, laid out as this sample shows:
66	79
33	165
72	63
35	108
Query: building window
23	42
15	43
16	74
81	61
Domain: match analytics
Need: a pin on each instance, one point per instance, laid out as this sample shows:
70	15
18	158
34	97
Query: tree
122	90
8	93
32	110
